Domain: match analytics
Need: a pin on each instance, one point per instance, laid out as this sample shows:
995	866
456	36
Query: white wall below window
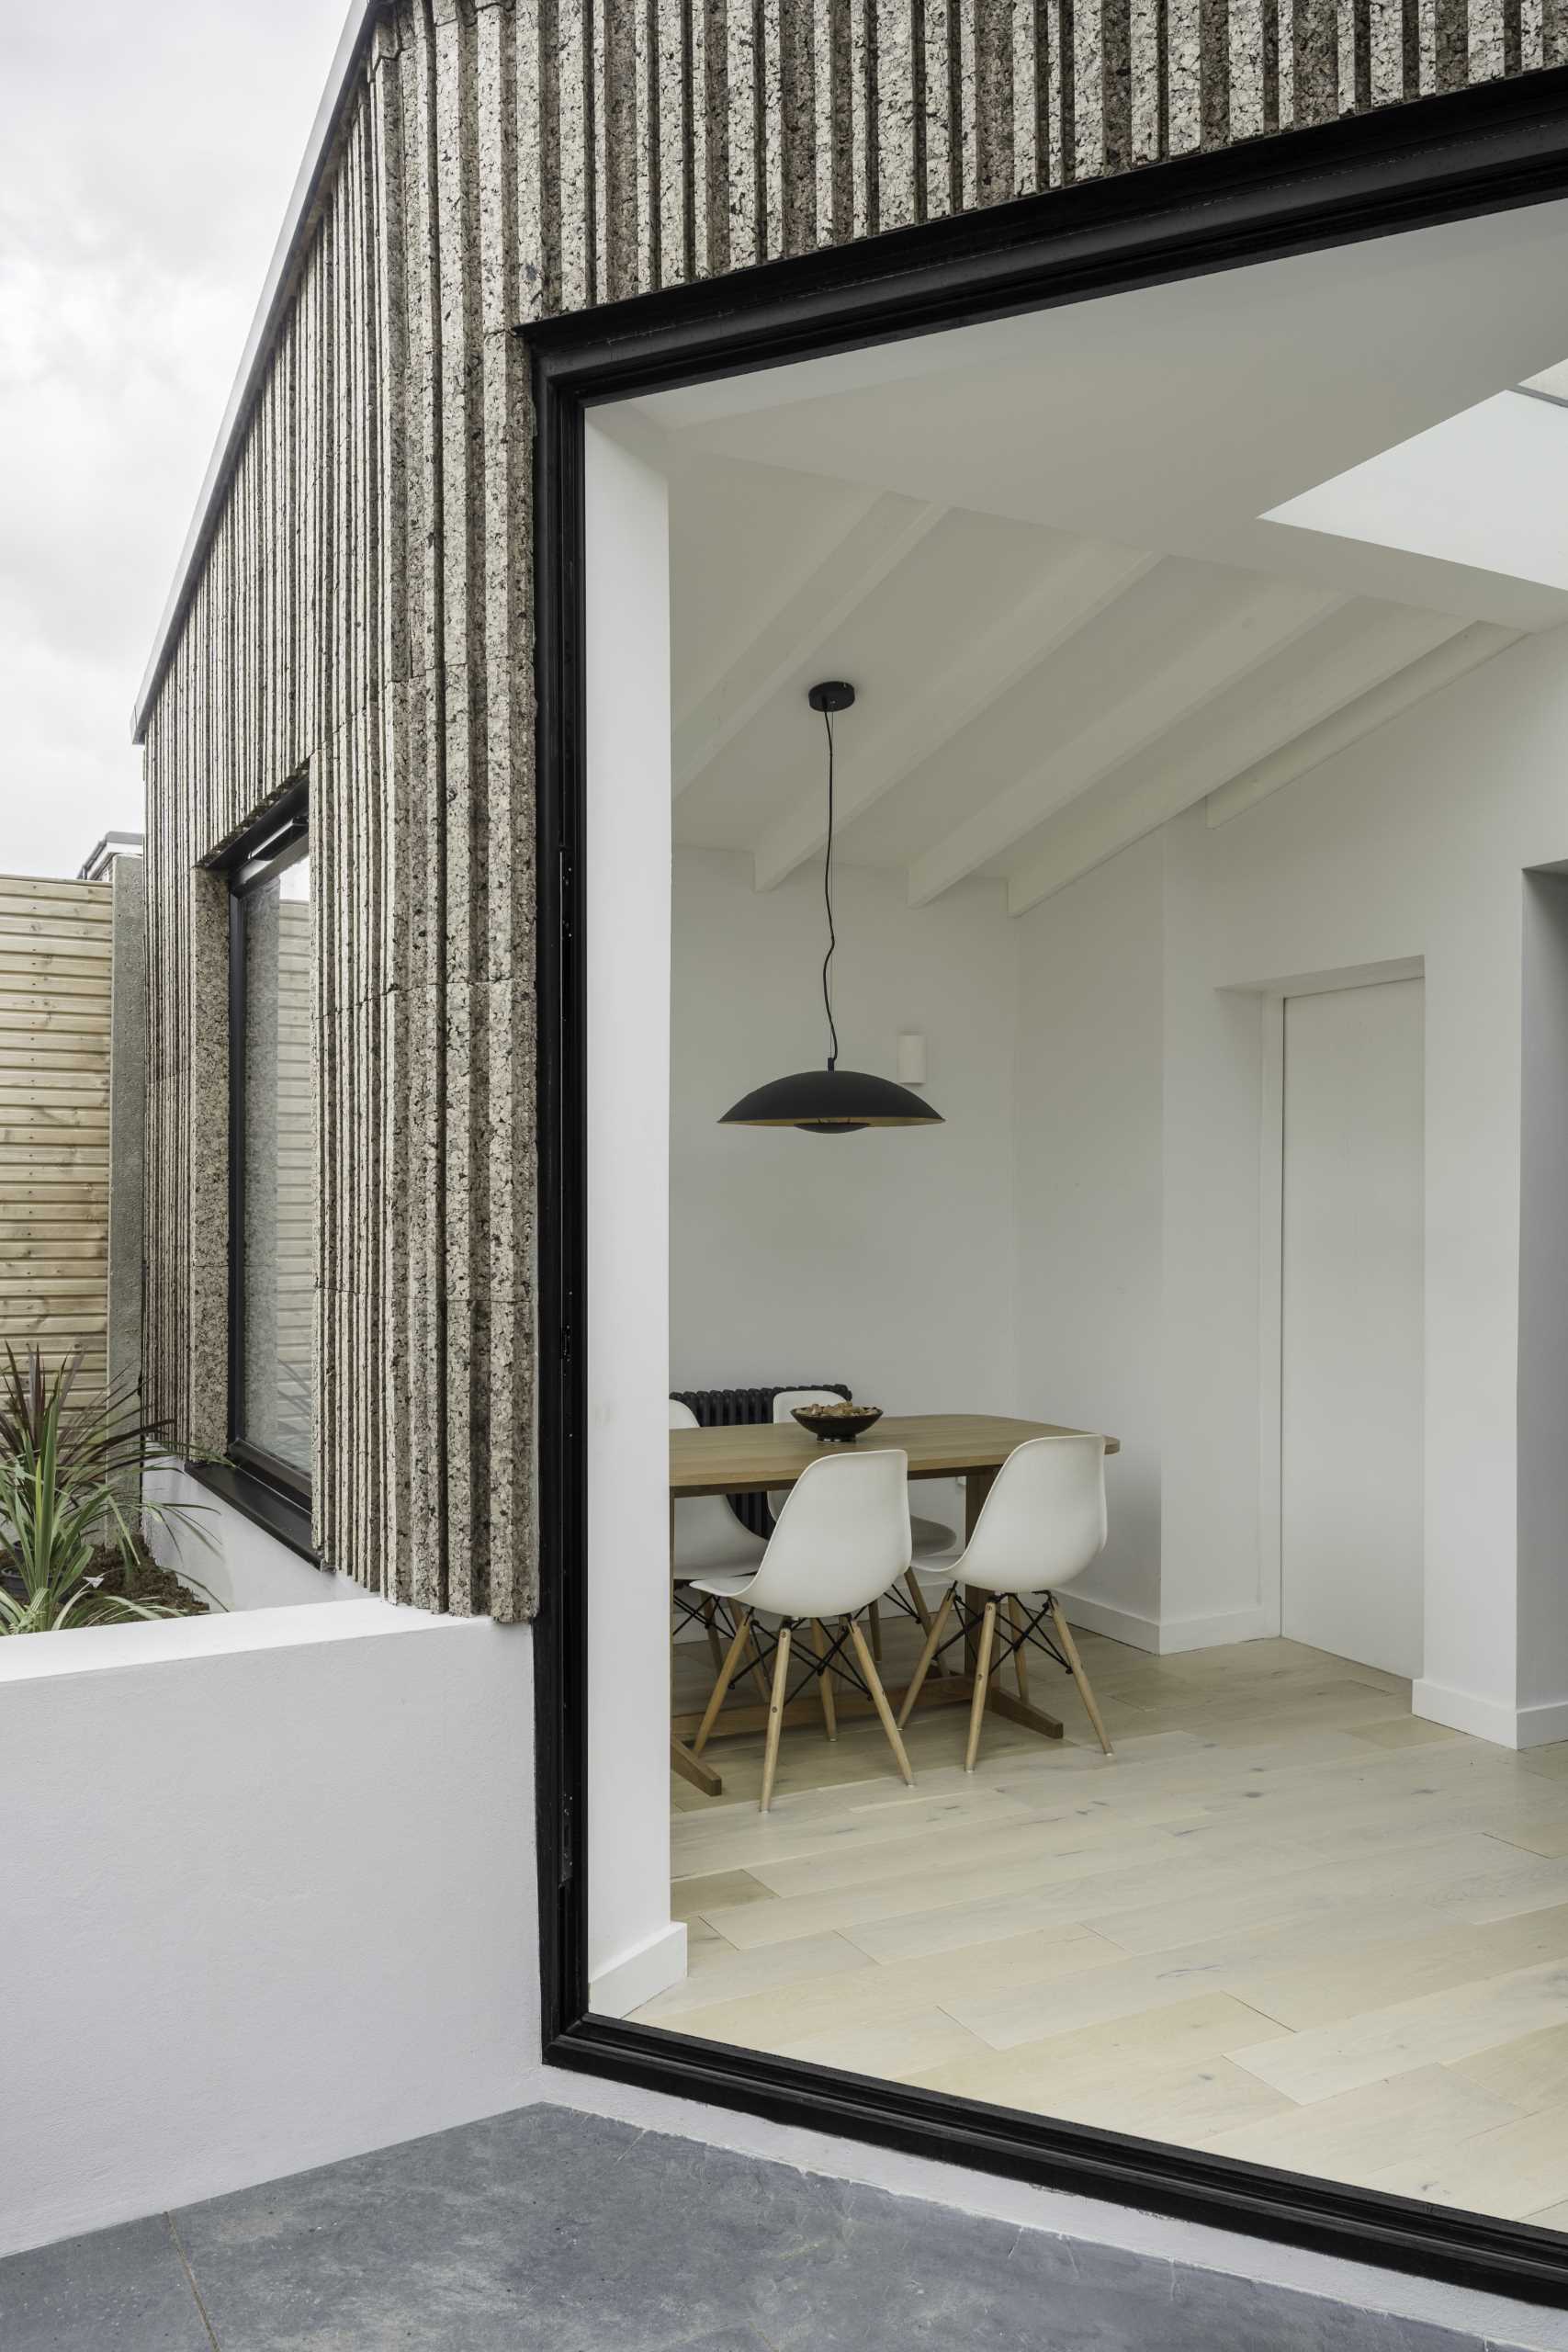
238	1562
269	1900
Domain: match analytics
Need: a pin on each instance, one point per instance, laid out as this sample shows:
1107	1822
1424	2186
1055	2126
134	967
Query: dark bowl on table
836	1425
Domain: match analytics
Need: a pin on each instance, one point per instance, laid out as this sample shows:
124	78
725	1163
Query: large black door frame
1480	151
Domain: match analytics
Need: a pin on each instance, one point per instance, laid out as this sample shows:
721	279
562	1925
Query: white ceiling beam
782	580
857	564
1070	592
1226	650
1385	644
1465	651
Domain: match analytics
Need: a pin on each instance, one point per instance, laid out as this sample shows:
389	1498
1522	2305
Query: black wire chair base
839	1660
1034	1633
1005	1646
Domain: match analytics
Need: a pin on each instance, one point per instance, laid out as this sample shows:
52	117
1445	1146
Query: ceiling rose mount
830	1101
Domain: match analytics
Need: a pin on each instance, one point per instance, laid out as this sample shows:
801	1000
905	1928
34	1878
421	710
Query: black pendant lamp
830	1101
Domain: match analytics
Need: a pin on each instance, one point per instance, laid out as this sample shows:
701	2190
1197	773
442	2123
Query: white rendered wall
882	1258
635	1949
255	1931
1090	1084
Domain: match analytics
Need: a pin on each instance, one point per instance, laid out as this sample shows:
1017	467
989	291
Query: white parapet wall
268	1899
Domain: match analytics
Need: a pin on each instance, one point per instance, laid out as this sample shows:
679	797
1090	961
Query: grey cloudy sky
146	156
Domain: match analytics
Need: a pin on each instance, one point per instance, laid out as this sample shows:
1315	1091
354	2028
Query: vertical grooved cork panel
362	615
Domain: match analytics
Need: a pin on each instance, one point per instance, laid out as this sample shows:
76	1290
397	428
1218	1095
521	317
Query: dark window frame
279	839
1486	150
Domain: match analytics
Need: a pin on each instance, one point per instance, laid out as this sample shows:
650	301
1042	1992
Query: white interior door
1351	1419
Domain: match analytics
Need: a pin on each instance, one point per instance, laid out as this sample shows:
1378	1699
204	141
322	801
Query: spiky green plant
71	1461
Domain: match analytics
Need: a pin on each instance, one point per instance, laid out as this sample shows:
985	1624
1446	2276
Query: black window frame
280	1493
1493	148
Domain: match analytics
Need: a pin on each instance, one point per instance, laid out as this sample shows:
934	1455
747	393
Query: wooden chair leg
982	1683
1075	1665
875	1615
922	1612
1015	1619
927	1655
825	1680
775	1718
726	1675
710	1620
759	1677
879	1700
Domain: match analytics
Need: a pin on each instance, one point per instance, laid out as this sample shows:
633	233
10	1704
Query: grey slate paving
550	2229
118	2291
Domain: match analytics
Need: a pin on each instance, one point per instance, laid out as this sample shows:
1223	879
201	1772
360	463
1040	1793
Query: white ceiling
1047	552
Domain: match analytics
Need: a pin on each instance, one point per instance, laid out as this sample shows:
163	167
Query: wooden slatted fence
56	953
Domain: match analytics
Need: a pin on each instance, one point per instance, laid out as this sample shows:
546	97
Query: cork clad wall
279	1178
360	616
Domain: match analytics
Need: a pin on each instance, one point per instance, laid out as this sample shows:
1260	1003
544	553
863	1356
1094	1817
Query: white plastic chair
925	1534
706	1540
842	1537
1041	1526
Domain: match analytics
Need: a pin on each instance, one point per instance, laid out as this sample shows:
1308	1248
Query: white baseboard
1178	1633
648	1968
1492	1719
1166	1636
1116	1625
1543	1725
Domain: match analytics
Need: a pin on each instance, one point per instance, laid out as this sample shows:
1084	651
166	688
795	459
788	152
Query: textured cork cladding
360	612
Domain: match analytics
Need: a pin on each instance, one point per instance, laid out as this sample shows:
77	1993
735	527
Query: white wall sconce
912	1058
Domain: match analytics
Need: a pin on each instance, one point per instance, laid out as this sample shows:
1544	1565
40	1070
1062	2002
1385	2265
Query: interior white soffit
920	504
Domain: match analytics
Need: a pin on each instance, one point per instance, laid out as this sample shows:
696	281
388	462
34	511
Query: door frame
1484	150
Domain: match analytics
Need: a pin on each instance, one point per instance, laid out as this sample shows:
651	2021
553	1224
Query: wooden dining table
757	1457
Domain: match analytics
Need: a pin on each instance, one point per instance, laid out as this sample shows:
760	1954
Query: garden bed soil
147	1582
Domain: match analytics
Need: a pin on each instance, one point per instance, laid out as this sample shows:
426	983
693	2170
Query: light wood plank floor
1289	1922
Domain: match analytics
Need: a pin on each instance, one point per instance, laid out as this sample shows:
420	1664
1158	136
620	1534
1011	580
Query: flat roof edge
352	43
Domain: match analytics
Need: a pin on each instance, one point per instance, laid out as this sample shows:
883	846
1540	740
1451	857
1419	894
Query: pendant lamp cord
828	900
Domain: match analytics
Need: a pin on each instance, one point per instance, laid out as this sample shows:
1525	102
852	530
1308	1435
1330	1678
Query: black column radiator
727	1408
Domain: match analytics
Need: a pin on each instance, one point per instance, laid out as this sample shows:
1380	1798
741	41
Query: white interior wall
1409	847
1351	1439
880	1258
1410	844
1542	1642
1087	1244
254	1930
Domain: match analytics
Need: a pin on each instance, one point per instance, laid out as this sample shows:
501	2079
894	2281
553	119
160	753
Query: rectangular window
272	1157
